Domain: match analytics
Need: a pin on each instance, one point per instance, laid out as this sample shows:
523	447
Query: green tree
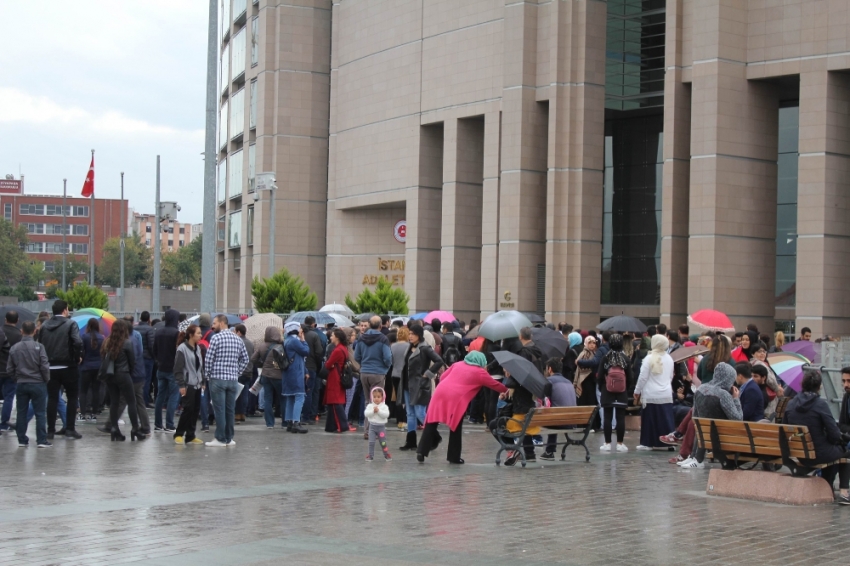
82	296
16	265
137	262
74	265
179	268
386	298
282	293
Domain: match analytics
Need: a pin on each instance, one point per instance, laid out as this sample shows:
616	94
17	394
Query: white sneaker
642	447
686	461
605	448
691	463
231	443
215	442
121	421
622	448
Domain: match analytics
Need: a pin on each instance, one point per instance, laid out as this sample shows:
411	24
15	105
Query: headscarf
575	339
476	359
290	327
659	345
754	340
383	394
588	340
615	356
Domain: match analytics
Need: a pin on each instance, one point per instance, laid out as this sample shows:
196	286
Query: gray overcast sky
125	78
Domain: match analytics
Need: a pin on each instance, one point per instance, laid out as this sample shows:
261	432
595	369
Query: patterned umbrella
804	348
789	367
82	317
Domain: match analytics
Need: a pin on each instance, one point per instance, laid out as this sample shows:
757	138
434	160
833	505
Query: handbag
107	369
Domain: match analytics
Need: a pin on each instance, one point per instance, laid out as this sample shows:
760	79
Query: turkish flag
88	186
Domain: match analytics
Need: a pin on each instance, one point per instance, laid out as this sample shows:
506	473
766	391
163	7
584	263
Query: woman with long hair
92	344
118	349
399	352
778	342
585	378
654	391
614	402
420	367
189	375
719	352
337	420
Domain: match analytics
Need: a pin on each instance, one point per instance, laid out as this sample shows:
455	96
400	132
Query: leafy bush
386	298
282	293
83	296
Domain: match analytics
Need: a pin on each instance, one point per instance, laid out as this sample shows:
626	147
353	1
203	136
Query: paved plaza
279	498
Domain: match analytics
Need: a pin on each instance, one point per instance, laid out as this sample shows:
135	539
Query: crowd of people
417	374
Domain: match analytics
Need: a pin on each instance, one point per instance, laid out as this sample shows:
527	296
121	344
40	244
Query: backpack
346	376
279	359
452	355
615	380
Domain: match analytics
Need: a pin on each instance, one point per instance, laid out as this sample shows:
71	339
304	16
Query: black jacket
126	359
418	374
60	337
810	410
165	342
146	331
532	353
843	416
317	351
522	399
5	346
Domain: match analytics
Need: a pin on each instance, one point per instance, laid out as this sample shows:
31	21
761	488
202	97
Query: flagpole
122	241
64	229
91	235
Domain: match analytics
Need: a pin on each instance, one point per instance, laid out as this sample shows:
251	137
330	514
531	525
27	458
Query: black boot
410	443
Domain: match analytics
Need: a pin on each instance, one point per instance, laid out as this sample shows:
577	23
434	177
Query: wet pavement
279	498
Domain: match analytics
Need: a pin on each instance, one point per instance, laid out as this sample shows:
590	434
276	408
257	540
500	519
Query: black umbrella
24	315
524	372
551	342
365	317
534	318
622	323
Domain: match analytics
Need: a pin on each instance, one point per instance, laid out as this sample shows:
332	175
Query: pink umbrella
442	316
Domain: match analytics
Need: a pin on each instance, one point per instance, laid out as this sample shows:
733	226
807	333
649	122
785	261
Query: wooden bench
734	442
780	409
552	418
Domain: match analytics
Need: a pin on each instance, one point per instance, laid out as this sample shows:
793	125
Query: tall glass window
634	102
252	113
225	18
237	114
234	230
235	188
786	205
239	45
222	180
249	236
222	125
252	166
225	68
239	7
255	41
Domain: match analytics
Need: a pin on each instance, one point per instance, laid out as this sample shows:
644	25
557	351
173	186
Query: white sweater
656	388
381	417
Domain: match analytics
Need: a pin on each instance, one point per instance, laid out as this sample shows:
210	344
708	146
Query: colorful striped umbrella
789	367
82	317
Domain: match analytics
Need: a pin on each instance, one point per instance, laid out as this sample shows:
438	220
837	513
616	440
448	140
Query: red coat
739	355
334	393
457	387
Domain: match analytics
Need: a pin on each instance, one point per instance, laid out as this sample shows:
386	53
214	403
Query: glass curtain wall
634	107
786	204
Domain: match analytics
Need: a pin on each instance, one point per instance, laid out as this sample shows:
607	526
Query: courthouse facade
577	158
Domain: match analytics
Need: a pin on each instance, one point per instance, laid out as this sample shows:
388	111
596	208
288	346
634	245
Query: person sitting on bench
810	410
752	402
563	395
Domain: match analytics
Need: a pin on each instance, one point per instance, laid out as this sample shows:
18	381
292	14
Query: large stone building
576	158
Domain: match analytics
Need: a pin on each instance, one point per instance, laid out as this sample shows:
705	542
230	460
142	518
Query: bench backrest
754	439
780	408
557	416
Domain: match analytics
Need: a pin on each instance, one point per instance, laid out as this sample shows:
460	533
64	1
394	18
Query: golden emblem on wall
507	296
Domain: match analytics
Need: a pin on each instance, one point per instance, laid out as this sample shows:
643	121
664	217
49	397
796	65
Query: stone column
522	203
490	215
676	179
823	196
575	162
732	249
460	260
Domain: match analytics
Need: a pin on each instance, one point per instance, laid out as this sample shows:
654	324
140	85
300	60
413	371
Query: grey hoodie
28	362
188	366
714	400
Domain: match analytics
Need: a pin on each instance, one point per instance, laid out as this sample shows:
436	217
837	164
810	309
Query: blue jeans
309	389
271	391
205	407
223	394
7	385
35	393
293	406
148	379
61	407
414	412
167	396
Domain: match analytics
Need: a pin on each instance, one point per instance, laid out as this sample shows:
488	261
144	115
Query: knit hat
205	320
724	376
290	327
476	359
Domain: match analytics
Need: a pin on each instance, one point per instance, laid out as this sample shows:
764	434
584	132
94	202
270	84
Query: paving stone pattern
278	498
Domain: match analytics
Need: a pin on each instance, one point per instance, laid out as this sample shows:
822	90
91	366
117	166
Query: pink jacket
458	385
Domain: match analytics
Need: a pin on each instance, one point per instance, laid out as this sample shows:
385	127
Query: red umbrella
707	319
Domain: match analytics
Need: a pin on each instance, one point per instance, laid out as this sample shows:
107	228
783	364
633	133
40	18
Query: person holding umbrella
458	385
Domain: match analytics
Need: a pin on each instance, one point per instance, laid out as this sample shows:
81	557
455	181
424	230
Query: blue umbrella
418	316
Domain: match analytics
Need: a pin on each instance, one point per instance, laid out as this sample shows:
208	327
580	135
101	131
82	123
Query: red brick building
42	216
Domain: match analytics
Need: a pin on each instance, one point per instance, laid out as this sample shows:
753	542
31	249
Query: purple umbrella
804	348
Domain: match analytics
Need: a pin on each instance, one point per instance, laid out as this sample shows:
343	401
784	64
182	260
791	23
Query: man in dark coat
752	401
164	350
844	415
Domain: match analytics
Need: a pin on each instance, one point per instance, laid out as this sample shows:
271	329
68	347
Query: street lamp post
266	181
121	251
